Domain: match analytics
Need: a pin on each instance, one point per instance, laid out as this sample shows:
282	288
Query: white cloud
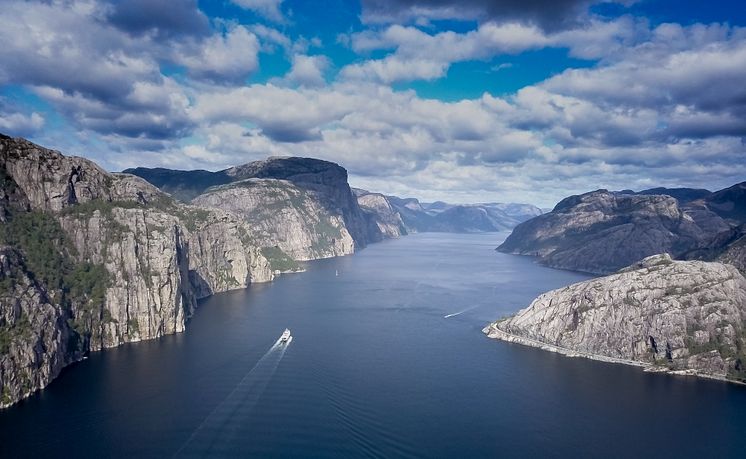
19	124
308	70
418	55
663	106
231	57
270	9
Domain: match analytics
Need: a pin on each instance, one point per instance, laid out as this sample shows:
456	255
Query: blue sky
497	100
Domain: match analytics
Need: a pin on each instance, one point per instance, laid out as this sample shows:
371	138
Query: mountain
729	203
182	185
683	195
664	315
303	206
601	231
382	218
727	247
470	219
90	259
413	214
440	216
299	222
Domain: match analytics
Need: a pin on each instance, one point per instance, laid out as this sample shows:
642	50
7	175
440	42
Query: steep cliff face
321	185
325	180
36	341
668	315
384	222
111	259
282	214
601	232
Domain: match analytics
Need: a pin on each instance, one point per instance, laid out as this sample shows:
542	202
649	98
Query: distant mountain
440	216
182	185
727	247
729	203
601	232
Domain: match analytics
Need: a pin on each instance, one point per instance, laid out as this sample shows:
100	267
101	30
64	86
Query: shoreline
493	332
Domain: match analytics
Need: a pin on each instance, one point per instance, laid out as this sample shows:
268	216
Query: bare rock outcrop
384	222
322	201
284	215
666	315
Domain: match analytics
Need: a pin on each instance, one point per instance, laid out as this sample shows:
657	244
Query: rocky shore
680	317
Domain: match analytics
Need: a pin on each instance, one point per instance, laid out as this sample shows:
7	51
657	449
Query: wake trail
223	423
447	316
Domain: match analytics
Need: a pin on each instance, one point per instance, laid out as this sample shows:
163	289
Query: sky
461	101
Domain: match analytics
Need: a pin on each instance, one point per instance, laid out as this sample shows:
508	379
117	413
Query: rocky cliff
284	215
601	232
91	260
682	316
303	206
384	222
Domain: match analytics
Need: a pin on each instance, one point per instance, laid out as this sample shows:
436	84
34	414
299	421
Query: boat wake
216	433
448	316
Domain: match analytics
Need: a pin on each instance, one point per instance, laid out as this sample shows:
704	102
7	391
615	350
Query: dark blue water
375	370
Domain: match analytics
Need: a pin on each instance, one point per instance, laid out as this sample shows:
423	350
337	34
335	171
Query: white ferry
285	336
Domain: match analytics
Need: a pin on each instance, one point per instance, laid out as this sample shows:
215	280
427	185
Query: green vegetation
6	399
717	343
225	278
6	337
192	217
738	372
279	260
133	326
49	260
21	329
245	237
87	209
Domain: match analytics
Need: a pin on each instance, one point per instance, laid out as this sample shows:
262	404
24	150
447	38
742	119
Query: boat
285	336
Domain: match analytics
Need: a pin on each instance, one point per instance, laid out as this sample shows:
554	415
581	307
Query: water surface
387	360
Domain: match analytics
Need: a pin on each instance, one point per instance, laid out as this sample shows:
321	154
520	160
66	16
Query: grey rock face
36	341
683	195
158	256
383	221
601	232
282	214
667	315
325	180
322	184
